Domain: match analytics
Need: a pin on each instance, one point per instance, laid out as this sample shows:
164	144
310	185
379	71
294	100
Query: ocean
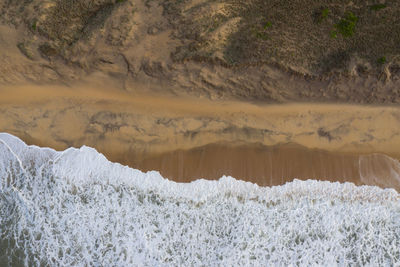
76	208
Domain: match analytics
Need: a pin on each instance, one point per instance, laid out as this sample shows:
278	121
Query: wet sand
186	139
275	165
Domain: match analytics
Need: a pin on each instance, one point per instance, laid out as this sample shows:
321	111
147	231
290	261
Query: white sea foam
75	208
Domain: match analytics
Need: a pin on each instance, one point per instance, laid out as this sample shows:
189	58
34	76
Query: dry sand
187	138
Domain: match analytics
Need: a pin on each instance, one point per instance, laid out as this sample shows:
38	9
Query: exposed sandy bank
204	49
204	138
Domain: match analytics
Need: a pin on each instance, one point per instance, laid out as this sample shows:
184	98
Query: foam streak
87	211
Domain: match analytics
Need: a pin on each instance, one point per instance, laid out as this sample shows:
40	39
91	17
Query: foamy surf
75	208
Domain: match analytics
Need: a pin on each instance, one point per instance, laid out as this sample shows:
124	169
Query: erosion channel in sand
187	139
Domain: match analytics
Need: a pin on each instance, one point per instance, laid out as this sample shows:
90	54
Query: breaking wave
75	208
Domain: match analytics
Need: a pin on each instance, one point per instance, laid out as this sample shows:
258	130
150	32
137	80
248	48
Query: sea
76	208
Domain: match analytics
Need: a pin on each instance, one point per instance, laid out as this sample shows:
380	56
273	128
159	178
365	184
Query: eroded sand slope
185	48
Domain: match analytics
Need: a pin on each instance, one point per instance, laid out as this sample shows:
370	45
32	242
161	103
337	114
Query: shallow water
75	208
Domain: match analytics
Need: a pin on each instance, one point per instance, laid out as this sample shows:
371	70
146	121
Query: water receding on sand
274	165
186	139
75	208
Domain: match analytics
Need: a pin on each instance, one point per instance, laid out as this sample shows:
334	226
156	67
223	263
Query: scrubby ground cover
311	37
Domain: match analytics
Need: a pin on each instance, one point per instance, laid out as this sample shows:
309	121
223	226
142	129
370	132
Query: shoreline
273	165
148	132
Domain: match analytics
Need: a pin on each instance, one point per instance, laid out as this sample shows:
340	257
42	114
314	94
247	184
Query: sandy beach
187	138
187	89
199	133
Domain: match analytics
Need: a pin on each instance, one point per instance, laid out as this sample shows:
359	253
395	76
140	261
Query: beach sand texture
187	139
208	92
198	89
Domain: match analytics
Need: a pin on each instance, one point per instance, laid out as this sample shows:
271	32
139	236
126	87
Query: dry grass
305	36
297	35
66	20
61	24
318	39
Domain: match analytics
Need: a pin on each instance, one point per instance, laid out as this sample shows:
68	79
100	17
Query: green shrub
321	15
267	25
382	60
324	13
346	25
34	26
377	7
262	35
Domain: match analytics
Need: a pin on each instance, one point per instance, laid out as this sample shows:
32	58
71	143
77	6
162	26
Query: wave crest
75	208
